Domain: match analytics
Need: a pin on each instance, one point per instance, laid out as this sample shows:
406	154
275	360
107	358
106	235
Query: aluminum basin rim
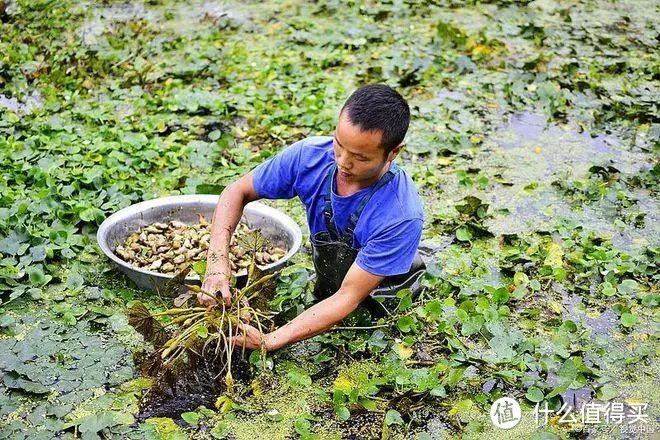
182	201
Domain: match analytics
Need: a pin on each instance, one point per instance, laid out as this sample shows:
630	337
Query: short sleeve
276	178
392	252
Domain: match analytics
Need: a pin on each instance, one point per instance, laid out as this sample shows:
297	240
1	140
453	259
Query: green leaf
200	268
462	315
628	319
220	431
207	188
608	289
627	287
405	301
462	407
559	273
37	276
569	326
393	417
463	234
91	214
558	390
534	394
607	392
202	331
568	371
406	324
302	426
342	412
298	376
96	422
520	278
454	376
472	326
433	309
191	417
74	281
38	253
501	295
368	404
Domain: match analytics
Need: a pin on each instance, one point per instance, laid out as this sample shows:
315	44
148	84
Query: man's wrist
272	341
215	256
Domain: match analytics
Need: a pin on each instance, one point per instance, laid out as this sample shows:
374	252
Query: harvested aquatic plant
184	335
169	247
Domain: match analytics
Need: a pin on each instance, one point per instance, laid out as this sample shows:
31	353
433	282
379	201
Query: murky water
191	389
528	154
181	17
22	106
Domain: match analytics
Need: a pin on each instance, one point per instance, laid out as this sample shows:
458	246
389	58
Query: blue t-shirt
389	229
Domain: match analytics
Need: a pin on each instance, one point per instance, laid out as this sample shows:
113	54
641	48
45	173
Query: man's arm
319	318
226	216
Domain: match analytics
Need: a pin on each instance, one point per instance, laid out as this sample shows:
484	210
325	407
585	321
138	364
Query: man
364	214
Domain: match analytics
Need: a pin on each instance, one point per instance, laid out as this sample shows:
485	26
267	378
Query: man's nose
345	165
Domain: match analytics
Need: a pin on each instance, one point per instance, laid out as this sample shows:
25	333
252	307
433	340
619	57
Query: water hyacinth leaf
628	319
627	287
140	318
520	278
96	422
405	301
202	331
472	207
462	407
607	392
559	273
608	289
402	350
393	417
534	394
454	376
38	253
199	267
298	376
191	417
555	255
208	188
568	370
37	276
472	325
406	324
75	281
501	295
368	404
463	234
92	214
342	412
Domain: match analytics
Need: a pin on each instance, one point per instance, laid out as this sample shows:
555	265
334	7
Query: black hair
379	107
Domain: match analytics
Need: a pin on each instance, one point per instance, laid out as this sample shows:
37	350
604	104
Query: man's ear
395	152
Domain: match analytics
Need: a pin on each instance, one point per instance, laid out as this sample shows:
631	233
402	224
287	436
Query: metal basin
276	226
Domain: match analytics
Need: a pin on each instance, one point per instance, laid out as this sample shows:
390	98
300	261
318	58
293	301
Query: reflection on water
528	154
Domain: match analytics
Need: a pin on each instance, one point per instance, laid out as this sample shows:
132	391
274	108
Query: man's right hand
217	285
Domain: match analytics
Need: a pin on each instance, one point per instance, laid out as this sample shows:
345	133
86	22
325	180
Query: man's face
358	154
